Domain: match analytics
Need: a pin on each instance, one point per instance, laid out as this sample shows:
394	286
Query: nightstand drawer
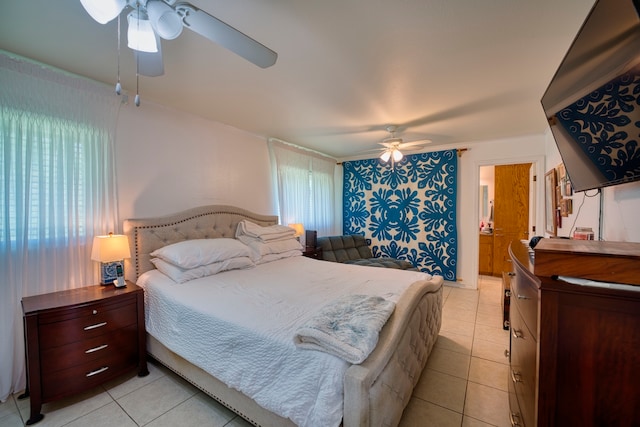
87	375
77	353
91	308
88	326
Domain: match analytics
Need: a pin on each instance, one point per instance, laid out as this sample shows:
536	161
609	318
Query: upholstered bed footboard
378	390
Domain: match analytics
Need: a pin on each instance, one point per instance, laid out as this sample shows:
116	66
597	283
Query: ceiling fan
152	20
392	146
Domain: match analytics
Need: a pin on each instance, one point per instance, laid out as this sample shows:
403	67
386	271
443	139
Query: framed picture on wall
550	224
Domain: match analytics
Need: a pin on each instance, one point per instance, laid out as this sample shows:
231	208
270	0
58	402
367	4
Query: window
304	187
46	178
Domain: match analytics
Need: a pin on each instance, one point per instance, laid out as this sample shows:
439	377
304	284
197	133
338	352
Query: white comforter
239	326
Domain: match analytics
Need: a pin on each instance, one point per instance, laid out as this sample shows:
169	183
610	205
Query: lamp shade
103	11
140	35
299	229
397	155
114	247
385	156
164	20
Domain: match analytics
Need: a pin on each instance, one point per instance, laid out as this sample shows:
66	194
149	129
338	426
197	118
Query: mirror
484	201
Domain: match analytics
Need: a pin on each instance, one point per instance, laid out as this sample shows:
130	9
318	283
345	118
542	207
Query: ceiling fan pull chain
137	98
118	85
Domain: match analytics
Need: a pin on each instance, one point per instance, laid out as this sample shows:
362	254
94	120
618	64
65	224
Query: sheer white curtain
305	187
58	189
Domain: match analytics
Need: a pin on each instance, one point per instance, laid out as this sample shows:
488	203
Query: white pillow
194	253
181	275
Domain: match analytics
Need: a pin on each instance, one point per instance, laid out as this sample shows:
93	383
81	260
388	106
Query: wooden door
511	212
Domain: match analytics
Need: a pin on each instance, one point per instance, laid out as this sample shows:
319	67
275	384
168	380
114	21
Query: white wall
168	161
620	207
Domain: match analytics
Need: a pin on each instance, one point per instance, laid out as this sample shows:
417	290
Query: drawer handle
523	297
506	354
516	377
97	325
511	274
100	347
516	333
94	312
514	419
97	371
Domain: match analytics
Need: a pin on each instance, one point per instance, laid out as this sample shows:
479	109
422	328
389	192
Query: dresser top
76	296
615	262
590	247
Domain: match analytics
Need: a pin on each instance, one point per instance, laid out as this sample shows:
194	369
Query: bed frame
375	392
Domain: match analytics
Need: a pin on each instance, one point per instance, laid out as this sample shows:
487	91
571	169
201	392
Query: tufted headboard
204	222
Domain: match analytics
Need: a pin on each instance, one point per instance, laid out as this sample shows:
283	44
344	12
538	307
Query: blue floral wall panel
407	210
604	125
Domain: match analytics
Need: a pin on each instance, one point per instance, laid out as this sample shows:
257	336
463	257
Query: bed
372	393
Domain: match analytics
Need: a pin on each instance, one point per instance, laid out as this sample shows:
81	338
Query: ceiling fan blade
150	64
225	35
414	143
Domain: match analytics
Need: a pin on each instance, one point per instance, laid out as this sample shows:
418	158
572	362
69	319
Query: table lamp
110	251
299	231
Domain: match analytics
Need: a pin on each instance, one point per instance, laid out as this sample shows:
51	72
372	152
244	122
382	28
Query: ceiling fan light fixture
164	20
397	155
140	35
385	156
103	11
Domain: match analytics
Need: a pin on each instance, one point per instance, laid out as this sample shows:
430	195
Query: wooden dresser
575	349
79	338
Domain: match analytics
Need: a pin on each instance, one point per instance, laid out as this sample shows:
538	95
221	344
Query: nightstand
315	253
79	338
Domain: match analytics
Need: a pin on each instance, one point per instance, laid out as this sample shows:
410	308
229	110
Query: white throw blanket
347	328
270	233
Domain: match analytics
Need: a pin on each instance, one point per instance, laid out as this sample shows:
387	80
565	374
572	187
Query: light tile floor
464	383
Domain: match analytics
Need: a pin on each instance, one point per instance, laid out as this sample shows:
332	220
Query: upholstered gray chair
353	249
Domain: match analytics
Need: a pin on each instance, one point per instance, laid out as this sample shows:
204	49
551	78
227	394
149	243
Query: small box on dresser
79	338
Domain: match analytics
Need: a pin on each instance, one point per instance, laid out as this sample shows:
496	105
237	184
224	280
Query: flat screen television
593	101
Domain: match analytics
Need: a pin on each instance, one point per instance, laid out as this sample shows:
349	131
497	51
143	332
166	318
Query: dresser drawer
524	294
522	370
80	352
107	318
82	377
515	414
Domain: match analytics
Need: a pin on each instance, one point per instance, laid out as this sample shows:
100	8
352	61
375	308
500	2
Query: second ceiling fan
392	146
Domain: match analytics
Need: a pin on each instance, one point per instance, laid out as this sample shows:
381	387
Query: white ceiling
453	71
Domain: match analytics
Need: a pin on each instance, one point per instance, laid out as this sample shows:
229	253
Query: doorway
505	206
